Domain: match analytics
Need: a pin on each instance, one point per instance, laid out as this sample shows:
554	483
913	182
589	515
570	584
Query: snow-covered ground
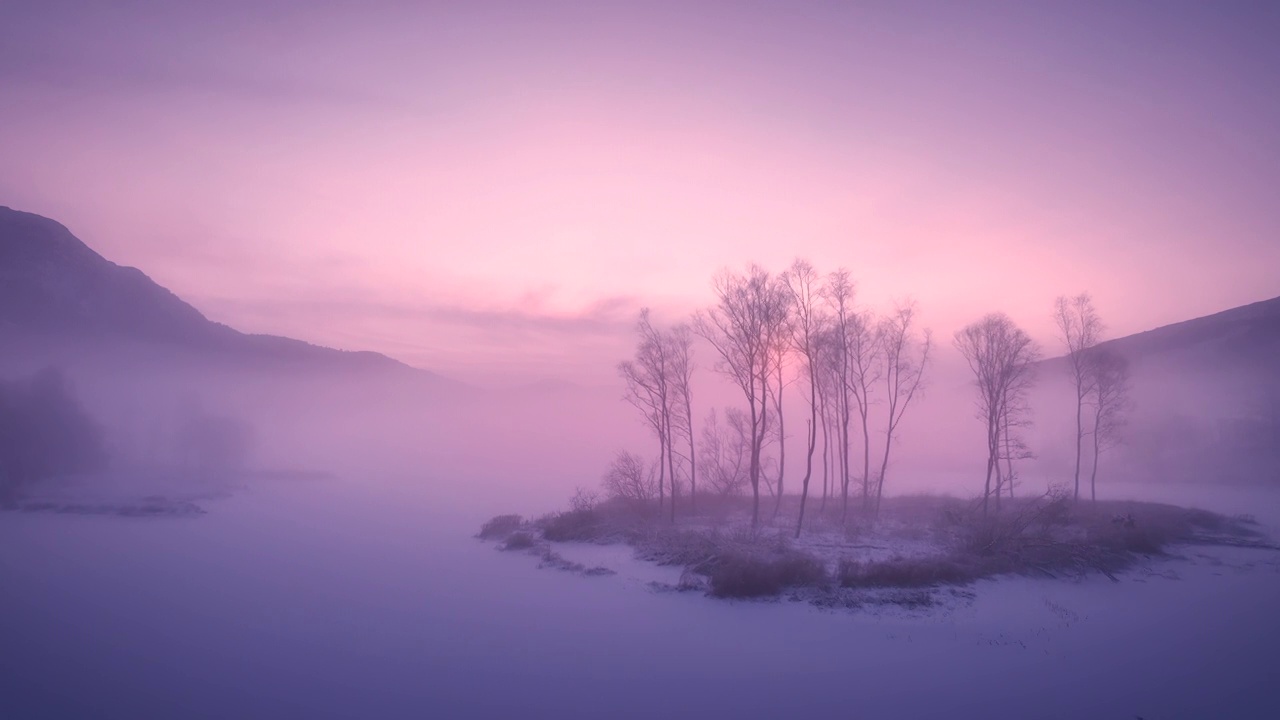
332	599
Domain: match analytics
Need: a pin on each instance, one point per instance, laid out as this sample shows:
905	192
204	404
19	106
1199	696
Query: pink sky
492	191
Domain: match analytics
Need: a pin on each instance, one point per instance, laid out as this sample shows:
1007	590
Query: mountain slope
1247	334
1204	399
52	285
1242	338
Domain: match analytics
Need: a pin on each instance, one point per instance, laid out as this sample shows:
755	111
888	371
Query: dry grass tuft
500	527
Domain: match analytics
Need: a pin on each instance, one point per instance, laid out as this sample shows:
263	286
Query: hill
58	295
1248	335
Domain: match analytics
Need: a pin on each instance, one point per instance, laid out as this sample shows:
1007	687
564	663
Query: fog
527	448
387	411
334	573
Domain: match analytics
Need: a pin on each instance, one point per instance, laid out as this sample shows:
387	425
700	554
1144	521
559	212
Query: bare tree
681	344
863	346
779	350
726	451
1000	354
1079	329
741	327
834	350
649	380
1010	445
821	375
802	282
1110	400
854	342
629	478
903	359
1015	416
835	402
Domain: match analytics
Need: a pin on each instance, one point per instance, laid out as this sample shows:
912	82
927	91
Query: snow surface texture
331	599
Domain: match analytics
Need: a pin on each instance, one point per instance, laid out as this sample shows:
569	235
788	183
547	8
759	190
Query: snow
622	560
338	599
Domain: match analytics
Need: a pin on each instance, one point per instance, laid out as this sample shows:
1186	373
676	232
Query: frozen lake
335	599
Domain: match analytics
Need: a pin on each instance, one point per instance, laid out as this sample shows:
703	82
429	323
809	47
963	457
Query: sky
492	190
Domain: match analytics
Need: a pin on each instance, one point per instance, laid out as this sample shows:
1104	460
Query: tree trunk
693	464
844	461
884	467
782	445
671	466
662	472
1008	454
1079	432
999	477
999	427
991	457
813	443
1093	476
866	454
826	452
755	462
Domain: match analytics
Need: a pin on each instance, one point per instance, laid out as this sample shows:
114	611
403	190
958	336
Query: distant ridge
1245	336
54	285
1247	331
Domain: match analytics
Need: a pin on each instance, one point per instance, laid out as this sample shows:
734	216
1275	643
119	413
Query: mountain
1204	402
56	292
1245	338
1246	335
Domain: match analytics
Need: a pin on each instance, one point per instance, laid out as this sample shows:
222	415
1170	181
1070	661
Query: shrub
1056	509
629	478
500	527
1121	537
906	573
573	525
1024	522
519	541
682	547
751	575
1139	540
583	500
1049	538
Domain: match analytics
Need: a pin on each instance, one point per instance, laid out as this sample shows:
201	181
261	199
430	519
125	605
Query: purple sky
491	190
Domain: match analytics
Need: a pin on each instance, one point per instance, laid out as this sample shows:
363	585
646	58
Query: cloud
471	342
607	316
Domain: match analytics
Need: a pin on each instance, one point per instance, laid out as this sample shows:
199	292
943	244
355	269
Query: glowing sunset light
411	179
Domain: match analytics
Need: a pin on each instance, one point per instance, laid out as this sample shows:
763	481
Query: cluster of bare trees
768	331
1100	378
857	362
746	328
725	448
857	370
658	384
903	358
1003	357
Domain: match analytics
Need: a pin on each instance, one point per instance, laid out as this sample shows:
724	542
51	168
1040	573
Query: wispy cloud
604	317
469	342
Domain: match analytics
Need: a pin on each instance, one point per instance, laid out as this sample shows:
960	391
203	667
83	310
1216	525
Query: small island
919	550
719	502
